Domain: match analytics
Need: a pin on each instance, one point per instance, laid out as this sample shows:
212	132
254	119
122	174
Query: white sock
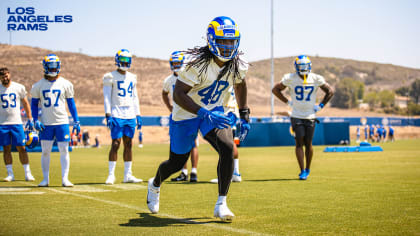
127	168
63	147
45	158
185	171
221	200
111	167
9	170
236	165
194	170
26	168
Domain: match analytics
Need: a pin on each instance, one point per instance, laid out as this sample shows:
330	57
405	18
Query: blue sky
368	30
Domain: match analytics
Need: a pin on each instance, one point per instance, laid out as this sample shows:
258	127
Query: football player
198	106
303	86
52	93
122	112
12	94
176	62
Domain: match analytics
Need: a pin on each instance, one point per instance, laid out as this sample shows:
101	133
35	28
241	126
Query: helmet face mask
123	59
223	38
52	65
176	61
303	65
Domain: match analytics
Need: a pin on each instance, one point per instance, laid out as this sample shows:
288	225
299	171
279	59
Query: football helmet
220	30
123	56
303	65
32	139
176	61
52	65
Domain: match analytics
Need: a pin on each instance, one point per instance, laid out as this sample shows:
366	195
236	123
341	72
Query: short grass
346	194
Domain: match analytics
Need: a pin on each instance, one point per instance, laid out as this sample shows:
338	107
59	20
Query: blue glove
218	119
76	126
110	122
139	122
39	126
30	125
318	107
244	128
233	118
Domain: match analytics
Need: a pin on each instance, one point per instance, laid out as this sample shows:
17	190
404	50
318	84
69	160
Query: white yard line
222	227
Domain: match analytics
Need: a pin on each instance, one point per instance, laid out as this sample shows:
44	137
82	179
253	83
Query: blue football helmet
303	65
52	65
123	56
221	29
32	139
176	61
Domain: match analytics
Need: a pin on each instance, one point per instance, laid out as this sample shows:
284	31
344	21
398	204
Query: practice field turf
345	194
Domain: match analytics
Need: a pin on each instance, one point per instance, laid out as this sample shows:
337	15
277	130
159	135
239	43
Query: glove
30	125
76	126
39	126
244	126
139	122
233	118
218	119
110	122
290	103
318	107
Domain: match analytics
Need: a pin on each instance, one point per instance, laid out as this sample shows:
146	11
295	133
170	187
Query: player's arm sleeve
320	80
69	91
286	80
35	101
72	108
189	76
136	99
166	85
107	90
243	69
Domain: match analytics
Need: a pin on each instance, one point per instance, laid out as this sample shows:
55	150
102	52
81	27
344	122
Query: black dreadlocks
202	57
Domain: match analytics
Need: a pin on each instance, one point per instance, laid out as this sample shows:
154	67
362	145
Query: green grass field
346	193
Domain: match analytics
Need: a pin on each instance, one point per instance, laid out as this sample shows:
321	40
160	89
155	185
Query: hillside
86	72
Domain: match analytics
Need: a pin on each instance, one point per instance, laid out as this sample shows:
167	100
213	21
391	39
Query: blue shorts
184	132
12	134
124	127
60	132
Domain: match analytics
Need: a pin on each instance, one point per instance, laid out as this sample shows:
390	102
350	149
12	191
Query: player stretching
52	92
198	95
303	86
122	112
11	130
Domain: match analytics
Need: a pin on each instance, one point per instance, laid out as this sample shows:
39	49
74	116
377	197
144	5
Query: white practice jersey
230	104
206	91
169	85
10	103
52	97
303	95
120	95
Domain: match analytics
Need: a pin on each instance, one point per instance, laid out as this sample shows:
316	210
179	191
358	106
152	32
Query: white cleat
110	179
131	179
9	178
236	177
214	181
67	183
29	177
44	183
153	197
222	211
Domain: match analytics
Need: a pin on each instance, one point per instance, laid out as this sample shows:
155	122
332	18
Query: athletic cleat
9	178
193	177
222	211
131	179
236	177
44	183
29	177
153	197
302	175
181	177
214	181
67	183
110	179
307	171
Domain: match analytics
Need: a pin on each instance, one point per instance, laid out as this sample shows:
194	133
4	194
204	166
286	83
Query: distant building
401	101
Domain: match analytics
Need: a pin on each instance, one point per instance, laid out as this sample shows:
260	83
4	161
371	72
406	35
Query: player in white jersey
303	86
198	106
12	94
52	93
176	62
122	112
